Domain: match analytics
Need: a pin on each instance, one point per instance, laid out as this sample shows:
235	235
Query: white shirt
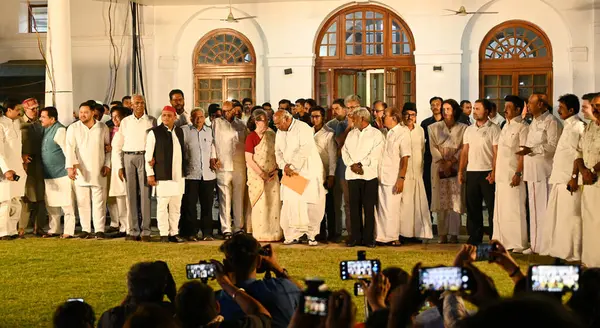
363	147
297	147
85	147
498	119
10	158
133	131
396	145
568	150
512	137
175	186
414	170
230	141
105	118
542	138
481	140
590	145
327	149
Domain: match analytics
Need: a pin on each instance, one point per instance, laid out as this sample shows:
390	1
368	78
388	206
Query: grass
36	275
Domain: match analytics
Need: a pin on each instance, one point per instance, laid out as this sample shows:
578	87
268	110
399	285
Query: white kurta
85	147
324	138
56	189
117	187
590	146
11	158
166	188
300	214
542	138
387	222
562	224
510	217
415	218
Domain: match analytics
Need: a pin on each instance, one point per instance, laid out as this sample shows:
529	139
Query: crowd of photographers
394	297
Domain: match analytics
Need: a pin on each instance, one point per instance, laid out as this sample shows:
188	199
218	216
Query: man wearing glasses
378	109
33	201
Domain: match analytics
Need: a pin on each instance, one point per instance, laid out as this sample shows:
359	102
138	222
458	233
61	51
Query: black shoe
119	235
191	238
176	239
227	235
350	243
208	238
100	235
6	238
112	230
371	245
163	239
84	235
146	239
131	238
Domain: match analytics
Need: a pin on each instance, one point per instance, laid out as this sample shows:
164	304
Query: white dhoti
117	207
387	219
59	196
302	214
538	200
415	218
91	204
10	214
590	214
168	210
562	224
232	191
510	216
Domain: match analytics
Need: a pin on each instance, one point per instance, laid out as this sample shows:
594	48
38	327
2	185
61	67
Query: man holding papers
298	157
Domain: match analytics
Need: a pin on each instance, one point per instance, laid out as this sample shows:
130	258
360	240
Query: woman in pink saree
263	181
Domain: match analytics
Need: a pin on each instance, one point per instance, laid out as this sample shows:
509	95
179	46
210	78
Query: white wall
171	33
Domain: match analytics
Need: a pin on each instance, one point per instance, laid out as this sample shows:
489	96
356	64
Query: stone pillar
58	55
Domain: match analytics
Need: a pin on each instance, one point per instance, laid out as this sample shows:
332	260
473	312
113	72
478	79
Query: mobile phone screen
315	304
75	300
200	271
483	252
359	269
358	289
443	279
554	278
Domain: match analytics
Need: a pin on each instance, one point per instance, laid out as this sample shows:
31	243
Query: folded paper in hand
297	183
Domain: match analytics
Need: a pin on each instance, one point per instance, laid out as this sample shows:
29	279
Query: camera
202	270
313	300
484	252
553	278
358	288
444	279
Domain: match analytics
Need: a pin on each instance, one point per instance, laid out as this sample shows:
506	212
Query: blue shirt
199	148
280	297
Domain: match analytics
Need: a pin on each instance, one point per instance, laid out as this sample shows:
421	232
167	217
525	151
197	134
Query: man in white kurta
11	164
165	143
331	226
589	167
510	216
296	154
562	224
415	218
58	186
88	166
542	138
230	164
392	175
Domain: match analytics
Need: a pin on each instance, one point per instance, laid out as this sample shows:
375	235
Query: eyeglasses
315	116
410	115
354	107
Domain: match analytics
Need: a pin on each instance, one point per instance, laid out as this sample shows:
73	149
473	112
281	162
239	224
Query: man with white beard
296	153
12	185
562	229
88	166
510	222
542	138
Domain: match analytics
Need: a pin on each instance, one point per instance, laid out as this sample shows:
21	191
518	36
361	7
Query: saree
264	196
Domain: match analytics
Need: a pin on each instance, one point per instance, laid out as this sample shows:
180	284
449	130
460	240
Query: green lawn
37	274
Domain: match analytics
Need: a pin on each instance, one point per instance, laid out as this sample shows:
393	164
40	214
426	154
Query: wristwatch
519	174
574	176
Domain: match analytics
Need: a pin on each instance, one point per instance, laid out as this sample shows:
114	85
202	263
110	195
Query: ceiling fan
463	12
230	18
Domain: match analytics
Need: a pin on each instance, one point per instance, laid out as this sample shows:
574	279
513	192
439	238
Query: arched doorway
224	68
365	50
515	58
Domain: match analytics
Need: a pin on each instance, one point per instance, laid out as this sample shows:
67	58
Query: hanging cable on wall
137	51
49	66
116	51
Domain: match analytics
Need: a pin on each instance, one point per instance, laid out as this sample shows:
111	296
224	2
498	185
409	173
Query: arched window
365	50
515	58
224	68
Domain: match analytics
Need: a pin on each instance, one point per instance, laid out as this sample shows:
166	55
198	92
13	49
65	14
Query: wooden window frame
223	71
398	62
516	66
